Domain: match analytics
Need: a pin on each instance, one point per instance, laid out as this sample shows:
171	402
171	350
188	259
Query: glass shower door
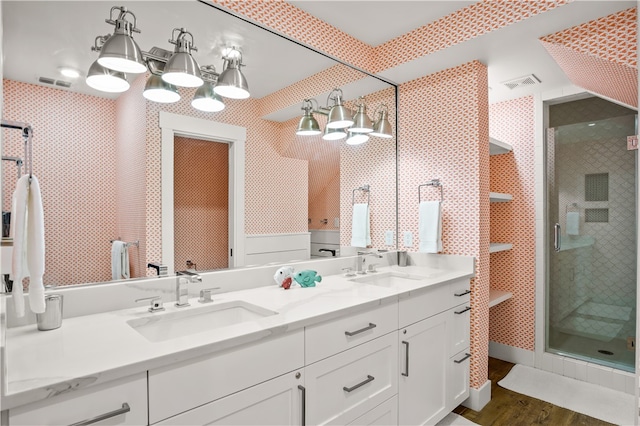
591	255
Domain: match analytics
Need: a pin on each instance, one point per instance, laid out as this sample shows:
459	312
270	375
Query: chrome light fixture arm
181	42
122	25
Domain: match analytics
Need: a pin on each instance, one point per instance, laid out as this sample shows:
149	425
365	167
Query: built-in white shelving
497	147
498	296
496	247
498	197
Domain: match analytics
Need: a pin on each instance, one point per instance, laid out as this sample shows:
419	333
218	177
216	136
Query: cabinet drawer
87	404
460	320
458	379
329	338
433	300
192	383
345	386
385	414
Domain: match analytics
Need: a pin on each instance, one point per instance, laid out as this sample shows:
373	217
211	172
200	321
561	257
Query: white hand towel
360	226
35	247
19	269
430	226
117	248
573	223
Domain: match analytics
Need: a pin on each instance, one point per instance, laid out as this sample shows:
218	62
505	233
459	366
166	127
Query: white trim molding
511	354
478	398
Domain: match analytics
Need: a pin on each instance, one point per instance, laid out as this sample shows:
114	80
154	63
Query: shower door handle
557	239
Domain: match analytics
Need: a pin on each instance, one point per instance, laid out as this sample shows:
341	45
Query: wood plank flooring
510	408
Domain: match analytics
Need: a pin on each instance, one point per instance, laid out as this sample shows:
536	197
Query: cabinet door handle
460	361
304	405
557	239
362	383
406	359
468	308
362	330
125	409
464	293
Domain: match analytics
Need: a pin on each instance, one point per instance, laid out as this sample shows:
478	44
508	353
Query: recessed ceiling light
69	72
591	124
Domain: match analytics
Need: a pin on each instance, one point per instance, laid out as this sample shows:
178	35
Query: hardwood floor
510	408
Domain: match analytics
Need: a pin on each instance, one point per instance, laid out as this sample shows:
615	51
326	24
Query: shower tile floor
585	348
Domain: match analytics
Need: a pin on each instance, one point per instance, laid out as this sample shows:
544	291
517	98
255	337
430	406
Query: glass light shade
382	127
106	80
333	134
121	53
158	90
339	117
308	125
361	122
182	70
206	99
232	83
357	138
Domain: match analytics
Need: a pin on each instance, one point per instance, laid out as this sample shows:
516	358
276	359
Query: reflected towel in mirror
430	226
360	226
119	260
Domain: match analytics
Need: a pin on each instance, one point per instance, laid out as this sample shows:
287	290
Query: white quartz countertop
93	349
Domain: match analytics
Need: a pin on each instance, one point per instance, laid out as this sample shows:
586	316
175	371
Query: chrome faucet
183	278
361	259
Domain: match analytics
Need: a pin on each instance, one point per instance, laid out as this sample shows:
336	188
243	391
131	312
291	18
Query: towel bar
434	182
363	188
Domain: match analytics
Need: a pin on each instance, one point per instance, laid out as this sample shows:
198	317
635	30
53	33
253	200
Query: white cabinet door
458	379
385	414
424	355
278	401
459	329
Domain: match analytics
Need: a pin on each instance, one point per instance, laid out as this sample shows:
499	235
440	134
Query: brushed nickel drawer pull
125	409
468	308
362	330
354	387
406	359
304	404
464	293
460	361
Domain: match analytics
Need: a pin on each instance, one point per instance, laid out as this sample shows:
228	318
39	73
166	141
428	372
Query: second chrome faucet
183	278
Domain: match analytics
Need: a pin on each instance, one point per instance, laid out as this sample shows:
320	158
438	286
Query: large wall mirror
102	158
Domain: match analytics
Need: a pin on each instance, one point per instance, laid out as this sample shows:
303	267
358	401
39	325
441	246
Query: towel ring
434	182
363	188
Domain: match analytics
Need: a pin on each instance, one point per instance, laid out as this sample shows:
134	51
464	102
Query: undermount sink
389	279
166	326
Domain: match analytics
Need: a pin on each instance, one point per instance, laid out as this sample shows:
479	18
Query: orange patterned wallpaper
513	322
444	133
72	153
600	55
201	194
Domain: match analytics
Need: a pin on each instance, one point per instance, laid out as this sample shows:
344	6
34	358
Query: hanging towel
27	259
119	260
360	227
573	223
430	226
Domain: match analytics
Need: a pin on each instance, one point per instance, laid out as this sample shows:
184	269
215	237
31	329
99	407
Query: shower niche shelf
498	197
496	247
497	147
498	296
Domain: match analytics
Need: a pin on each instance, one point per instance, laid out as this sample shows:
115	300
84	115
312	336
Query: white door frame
181	125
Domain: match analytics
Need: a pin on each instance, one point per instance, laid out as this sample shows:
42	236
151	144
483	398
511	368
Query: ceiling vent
53	82
526	81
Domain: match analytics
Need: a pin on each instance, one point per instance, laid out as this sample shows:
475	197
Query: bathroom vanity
388	347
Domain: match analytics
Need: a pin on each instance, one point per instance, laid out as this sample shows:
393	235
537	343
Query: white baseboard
478	398
511	354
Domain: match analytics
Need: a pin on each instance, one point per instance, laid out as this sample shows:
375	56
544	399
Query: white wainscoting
268	248
324	239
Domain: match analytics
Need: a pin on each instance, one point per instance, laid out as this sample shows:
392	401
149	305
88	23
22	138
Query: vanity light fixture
231	82
361	122
333	134
120	52
339	115
356	138
308	125
158	90
106	80
382	127
181	69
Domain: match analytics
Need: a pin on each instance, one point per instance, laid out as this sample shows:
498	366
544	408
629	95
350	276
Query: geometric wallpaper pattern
513	321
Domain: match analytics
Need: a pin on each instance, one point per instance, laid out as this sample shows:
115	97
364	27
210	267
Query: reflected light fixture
106	80
333	134
231	82
69	72
339	115
361	122
357	138
119	51
308	125
206	99
382	127
181	69
158	90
